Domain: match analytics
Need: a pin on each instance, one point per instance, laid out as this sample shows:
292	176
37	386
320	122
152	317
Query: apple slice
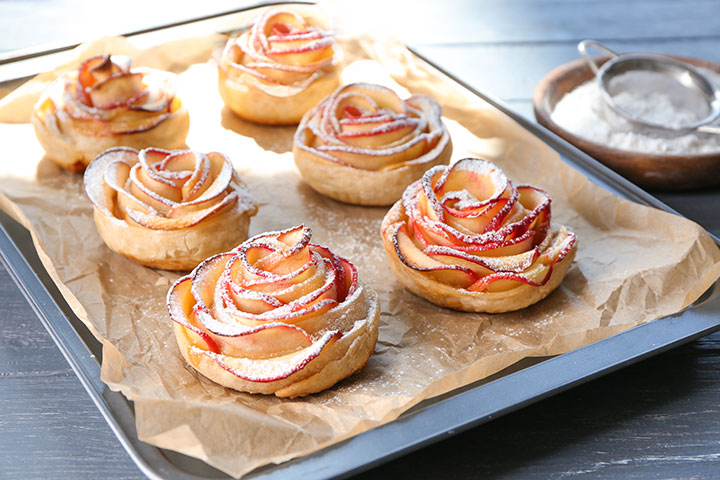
268	282
284	36
383	97
240	299
382	158
90	72
120	89
510	247
180	304
510	263
125	121
265	341
236	339
356	119
283	75
245	336
157	101
199	168
205	279
483	178
280	29
146	184
297	238
153	163
136	187
276	257
286	288
537	275
426	199
307	294
379	134
478	219
150	158
304	281
165	223
115	176
280	263
351	112
276	368
309	52
539	202
431	233
277	22
347	275
450	256
95	69
411	256
501	281
100	184
210	189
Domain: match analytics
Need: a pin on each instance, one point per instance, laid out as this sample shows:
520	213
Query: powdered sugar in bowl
568	101
655	92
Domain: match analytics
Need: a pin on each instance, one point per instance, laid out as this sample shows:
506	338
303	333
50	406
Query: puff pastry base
181	249
249	102
341	360
445	295
72	150
362	187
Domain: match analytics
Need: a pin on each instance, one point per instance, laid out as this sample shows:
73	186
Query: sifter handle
709	129
583	49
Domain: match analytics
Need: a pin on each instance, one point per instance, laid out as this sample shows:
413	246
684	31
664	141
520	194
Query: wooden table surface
657	419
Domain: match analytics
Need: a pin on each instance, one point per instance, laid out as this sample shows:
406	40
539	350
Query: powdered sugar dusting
499	242
221	191
324	132
259	59
463	199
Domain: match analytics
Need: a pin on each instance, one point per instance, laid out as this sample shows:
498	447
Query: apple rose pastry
364	145
279	69
277	315
104	104
467	238
168	209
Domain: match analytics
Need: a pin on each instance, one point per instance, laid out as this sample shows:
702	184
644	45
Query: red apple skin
180	288
453	274
282	349
440	235
294	368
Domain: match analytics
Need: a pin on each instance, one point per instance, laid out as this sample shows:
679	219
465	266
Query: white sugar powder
463	199
658	98
583	112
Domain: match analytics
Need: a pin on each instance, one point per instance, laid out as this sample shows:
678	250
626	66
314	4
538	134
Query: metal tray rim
435	421
412	430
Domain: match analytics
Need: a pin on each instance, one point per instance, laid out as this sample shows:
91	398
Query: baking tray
430	421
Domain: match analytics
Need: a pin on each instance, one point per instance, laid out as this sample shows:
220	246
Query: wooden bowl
650	171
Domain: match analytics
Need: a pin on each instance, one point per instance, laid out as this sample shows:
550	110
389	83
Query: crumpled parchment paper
634	264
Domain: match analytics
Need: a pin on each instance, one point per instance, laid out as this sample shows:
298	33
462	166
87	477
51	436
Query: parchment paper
634	264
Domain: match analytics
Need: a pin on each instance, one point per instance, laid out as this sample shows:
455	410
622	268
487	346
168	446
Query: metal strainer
683	77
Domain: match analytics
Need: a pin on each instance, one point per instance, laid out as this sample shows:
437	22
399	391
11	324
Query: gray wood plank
21	332
548	21
511	72
51	429
75	21
657	419
449	21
